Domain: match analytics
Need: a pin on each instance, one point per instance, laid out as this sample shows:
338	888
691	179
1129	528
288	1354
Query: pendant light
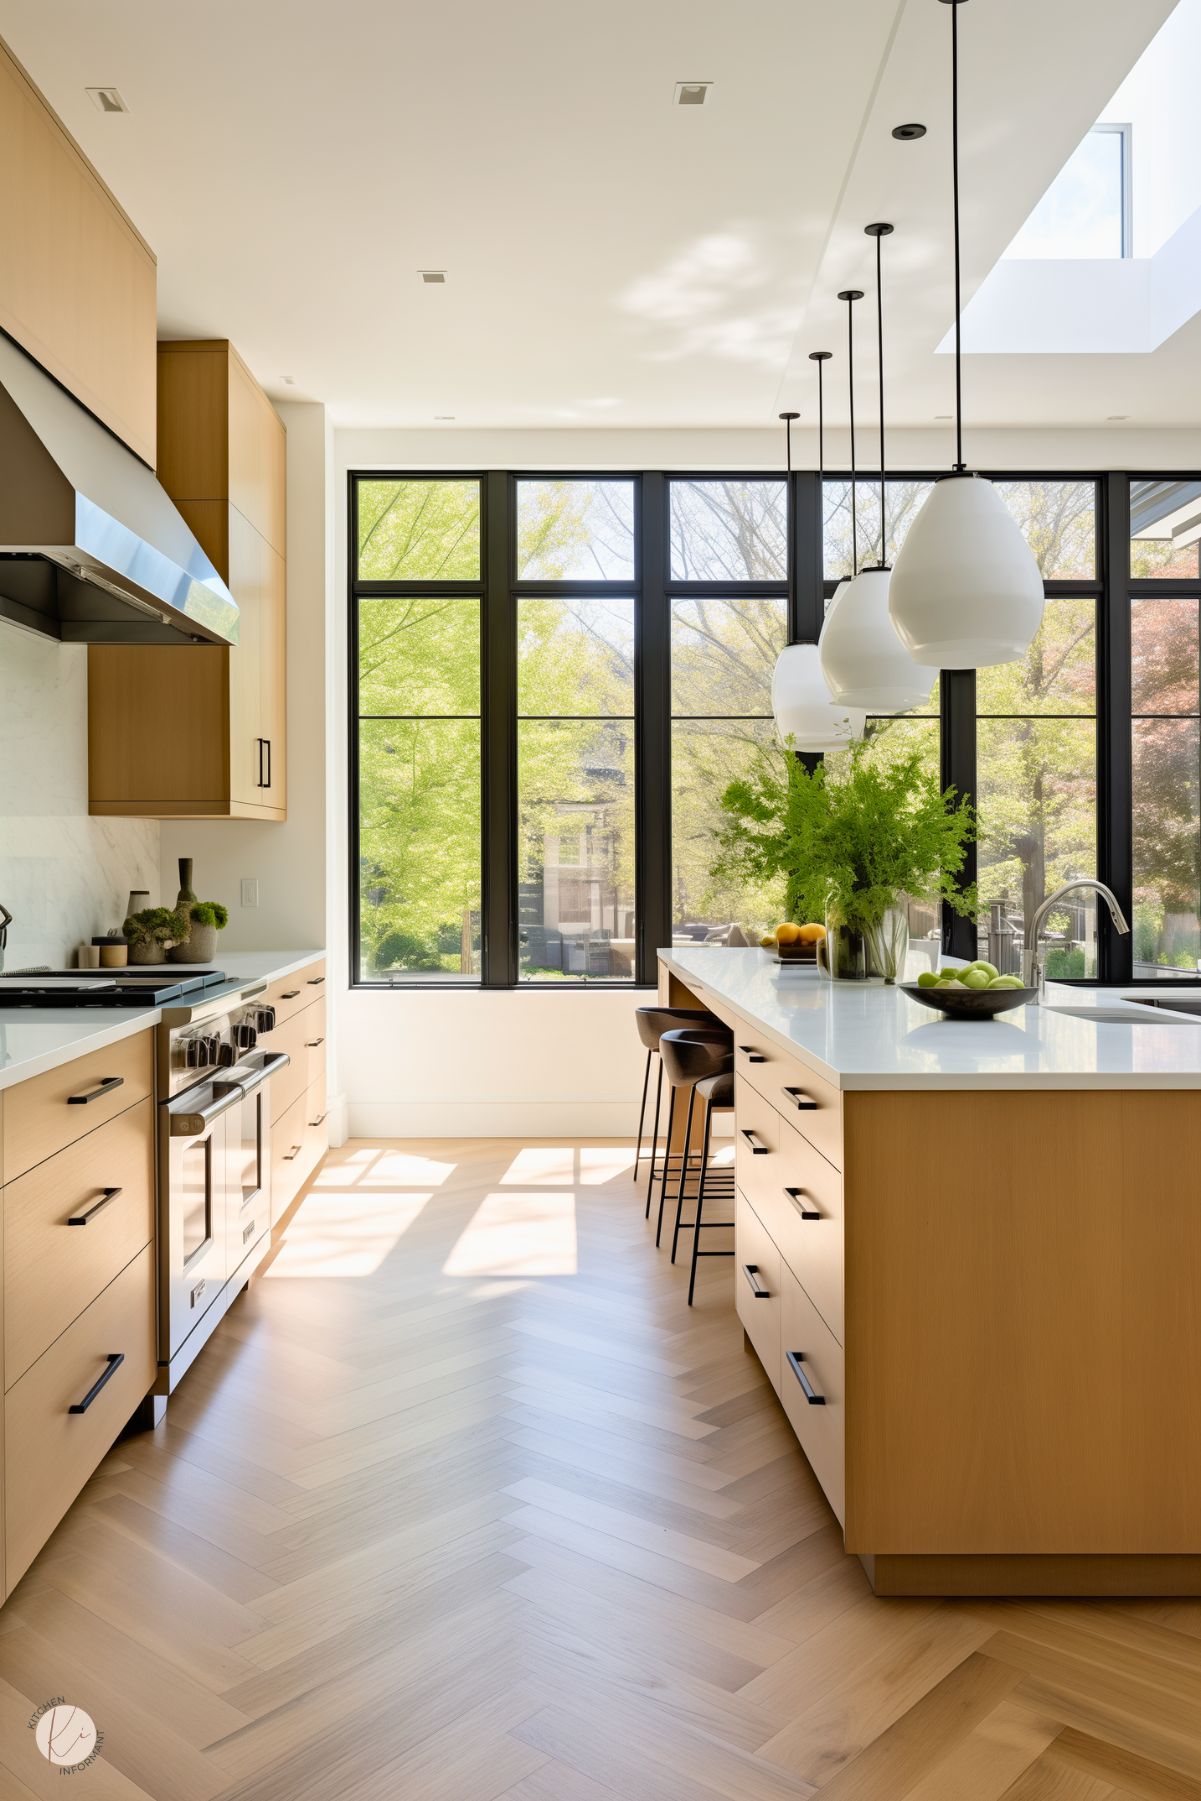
863	660
800	698
850	295
966	591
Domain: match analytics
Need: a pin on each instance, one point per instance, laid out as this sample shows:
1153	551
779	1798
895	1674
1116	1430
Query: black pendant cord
851	295
960	465
792	557
880	232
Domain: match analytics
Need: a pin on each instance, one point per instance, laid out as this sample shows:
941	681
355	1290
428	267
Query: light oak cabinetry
77	1203
979	1310
77	282
200	731
299	1128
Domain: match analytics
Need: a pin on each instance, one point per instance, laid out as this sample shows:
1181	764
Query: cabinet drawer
295	1151
798	1197
51	1111
813	1106
757	1271
296	1036
313	1044
53	1269
288	994
808	1350
49	1451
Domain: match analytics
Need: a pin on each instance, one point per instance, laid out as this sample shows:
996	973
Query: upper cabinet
77	283
195	732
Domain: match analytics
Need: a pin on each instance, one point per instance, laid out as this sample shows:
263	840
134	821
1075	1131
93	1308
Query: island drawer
797	1196
289	994
813	1390
70	1225
757	1274
51	1111
103	1365
810	1104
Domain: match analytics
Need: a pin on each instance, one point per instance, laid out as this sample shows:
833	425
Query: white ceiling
612	259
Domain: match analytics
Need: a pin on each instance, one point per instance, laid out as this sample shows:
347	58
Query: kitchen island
968	1255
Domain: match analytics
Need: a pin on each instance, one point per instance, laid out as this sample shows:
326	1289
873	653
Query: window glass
729	531
575	850
418	530
903	500
1059	522
419	850
1082	212
419	655
706	756
1166	755
1165	530
575	656
1058	673
723	653
575	530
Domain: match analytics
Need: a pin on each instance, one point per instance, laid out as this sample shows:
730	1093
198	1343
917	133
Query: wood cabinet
200	731
77	1284
299	1128
77	282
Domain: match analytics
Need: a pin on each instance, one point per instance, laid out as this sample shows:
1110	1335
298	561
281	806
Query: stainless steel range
214	1144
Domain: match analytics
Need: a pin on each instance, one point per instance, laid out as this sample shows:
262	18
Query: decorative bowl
796	953
969	1003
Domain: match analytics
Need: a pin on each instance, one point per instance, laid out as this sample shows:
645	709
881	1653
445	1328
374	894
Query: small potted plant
151	933
199	943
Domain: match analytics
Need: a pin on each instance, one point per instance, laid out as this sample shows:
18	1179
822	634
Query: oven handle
189	1125
274	1062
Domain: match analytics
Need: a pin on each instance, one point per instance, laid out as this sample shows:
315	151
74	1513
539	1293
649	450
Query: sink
1134	1015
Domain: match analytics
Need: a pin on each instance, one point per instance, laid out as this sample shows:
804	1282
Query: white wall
288	859
63	876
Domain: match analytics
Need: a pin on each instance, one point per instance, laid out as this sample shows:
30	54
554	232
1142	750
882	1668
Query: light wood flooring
462	1502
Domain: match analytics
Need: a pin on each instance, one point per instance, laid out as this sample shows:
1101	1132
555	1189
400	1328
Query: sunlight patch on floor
385	1167
518	1233
344	1233
565	1165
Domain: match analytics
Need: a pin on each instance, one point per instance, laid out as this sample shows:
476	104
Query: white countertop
869	1036
33	1039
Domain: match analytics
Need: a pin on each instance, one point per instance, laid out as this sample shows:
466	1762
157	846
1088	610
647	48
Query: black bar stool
717	1095
652	1022
688	1056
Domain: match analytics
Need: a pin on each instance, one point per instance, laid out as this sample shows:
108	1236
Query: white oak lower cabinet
299	1128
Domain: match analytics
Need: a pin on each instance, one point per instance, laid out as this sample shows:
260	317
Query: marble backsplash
63	875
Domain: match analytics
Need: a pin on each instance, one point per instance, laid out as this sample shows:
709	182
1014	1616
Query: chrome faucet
1033	975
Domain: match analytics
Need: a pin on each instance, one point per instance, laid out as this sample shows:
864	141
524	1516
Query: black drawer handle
115	1360
798	1197
88	1215
751	1054
804	1103
289	994
751	1272
320	1120
313	1044
757	1148
796	1361
289	1155
108	1083
315	981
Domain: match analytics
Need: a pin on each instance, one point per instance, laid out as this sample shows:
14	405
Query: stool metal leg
646	1082
675	1237
700	1202
666	1163
650	1180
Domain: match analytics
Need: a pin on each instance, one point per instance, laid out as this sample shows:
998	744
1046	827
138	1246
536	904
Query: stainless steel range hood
92	549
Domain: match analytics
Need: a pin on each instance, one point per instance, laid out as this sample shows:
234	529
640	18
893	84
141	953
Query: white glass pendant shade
966	591
864	662
801	703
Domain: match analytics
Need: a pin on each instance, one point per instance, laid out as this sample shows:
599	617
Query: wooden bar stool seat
688	1056
652	1021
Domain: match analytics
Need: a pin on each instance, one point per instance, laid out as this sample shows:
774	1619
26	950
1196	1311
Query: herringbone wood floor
462	1502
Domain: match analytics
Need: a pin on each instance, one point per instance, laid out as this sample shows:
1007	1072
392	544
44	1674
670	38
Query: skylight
1086	210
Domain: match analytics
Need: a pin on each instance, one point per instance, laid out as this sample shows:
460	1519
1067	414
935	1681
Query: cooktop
102	987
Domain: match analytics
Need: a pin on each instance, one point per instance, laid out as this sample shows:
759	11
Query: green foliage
156	925
405	950
210	913
1064	961
866	833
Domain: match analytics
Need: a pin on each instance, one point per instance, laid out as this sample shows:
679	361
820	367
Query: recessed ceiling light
1116	418
106	100
444	418
692	93
943	418
289	381
907	133
432	276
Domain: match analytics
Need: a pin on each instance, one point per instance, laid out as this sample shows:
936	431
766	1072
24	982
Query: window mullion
1115	750
499	738
652	735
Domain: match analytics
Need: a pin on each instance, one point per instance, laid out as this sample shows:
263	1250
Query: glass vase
888	945
842	955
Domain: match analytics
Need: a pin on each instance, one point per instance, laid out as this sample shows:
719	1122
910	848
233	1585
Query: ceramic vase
199	947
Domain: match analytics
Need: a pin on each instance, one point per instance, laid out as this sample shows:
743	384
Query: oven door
250	1164
197	1193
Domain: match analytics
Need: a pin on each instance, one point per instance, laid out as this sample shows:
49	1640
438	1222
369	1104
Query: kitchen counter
33	1040
867	1036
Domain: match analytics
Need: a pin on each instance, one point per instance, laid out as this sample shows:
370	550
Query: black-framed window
553	677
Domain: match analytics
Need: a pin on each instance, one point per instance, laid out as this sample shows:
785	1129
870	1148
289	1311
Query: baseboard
336	1119
490	1119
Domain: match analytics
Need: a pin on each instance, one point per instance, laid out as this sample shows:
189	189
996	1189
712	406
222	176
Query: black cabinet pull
796	1360
315	981
313	1044
258	780
267	742
293	1153
751	1054
757	1149
115	1360
107	1084
798	1197
751	1272
320	1120
88	1215
289	994
804	1103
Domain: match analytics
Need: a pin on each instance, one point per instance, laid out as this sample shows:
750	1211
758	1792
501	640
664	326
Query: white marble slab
868	1036
33	1040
